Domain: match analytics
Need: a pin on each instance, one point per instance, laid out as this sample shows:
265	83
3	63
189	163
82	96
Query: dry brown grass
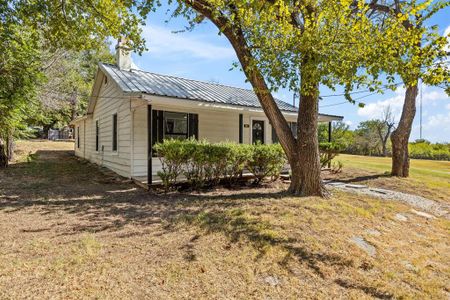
69	233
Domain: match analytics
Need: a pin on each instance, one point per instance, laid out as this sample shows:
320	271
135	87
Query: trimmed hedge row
204	163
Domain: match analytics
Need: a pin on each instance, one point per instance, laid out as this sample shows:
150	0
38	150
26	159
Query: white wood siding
110	101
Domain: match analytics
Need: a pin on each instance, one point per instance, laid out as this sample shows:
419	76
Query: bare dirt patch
69	233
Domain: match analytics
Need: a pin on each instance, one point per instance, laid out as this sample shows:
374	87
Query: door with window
257	131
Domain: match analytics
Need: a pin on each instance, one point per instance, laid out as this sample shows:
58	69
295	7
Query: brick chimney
123	55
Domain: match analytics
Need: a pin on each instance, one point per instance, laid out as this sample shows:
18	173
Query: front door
258	131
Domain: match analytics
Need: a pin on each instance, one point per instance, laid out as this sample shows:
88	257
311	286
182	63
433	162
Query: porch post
149	146
329	140
329	132
241	129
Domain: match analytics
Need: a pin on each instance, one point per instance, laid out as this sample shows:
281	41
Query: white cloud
440	121
448	106
375	110
162	42
433	96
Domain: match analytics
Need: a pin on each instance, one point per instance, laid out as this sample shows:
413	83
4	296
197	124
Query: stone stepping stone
356	186
373	232
336	183
272	280
422	214
401	217
379	191
362	244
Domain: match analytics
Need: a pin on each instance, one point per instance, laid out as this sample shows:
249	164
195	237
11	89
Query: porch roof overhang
208	105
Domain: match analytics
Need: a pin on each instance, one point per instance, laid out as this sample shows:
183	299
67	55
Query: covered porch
154	119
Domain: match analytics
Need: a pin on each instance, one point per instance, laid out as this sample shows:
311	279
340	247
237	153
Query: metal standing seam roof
137	81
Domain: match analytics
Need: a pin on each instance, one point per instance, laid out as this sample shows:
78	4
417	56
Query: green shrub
238	157
328	151
266	160
336	166
195	167
206	163
173	155
217	162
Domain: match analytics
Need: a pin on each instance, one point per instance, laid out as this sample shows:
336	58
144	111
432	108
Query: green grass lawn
429	178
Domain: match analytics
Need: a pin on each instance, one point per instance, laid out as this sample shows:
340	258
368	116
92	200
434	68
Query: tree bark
308	144
3	154
400	136
73	105
10	147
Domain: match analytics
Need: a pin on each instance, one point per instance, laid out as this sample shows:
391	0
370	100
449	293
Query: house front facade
130	110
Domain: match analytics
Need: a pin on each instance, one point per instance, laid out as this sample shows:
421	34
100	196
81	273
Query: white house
130	110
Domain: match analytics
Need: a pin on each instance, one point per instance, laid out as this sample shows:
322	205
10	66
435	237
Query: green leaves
20	70
79	24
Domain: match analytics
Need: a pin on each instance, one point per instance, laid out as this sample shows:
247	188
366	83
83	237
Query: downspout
132	141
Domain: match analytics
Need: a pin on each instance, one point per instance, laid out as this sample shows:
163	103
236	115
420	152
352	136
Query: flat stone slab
401	217
380	191
422	214
335	183
272	280
362	244
356	186
373	232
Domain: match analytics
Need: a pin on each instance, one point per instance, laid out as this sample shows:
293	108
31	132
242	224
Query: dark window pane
96	135
78	136
176	125
114	141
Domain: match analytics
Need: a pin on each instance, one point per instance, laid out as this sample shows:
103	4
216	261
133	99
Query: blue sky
204	55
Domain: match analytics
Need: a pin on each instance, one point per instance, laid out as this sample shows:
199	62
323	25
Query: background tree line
372	137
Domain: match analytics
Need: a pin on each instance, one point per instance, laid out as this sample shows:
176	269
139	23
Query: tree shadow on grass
364	178
58	184
237	226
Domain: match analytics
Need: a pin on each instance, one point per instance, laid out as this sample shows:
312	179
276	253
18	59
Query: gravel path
430	206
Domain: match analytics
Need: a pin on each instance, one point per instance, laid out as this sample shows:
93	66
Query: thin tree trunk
400	136
74	105
3	154
10	147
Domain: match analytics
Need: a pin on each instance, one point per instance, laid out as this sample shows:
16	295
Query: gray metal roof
137	81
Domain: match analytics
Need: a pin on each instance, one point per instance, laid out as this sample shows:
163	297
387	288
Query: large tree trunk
400	136
308	143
